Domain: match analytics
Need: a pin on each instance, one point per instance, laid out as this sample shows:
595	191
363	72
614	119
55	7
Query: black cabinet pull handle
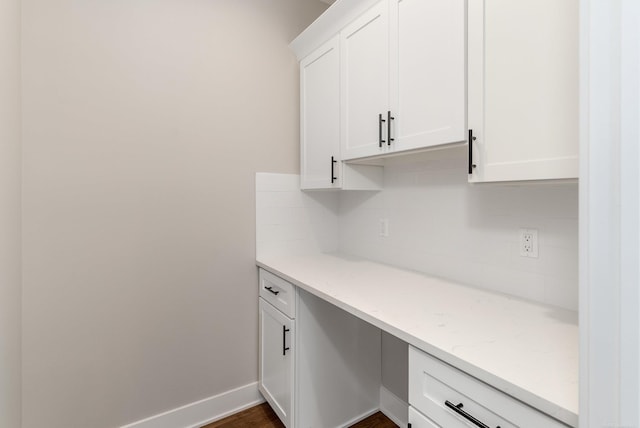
272	290
389	119
458	409
333	176
285	348
380	122
471	140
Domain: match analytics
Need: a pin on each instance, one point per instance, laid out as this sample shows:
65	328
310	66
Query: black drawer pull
471	140
458	409
272	290
285	348
389	119
380	122
333	174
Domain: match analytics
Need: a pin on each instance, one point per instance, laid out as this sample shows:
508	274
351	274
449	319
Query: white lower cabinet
453	399
277	353
418	420
319	368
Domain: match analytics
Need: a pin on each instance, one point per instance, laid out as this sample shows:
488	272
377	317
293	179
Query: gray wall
10	213
144	123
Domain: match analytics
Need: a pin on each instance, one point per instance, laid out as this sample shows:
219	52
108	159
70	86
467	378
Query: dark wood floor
262	416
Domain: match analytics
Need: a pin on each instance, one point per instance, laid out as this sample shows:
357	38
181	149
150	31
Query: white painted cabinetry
277	360
320	118
365	82
417	74
319	366
379	78
321	166
523	89
403	69
427	73
418	420
441	395
276	306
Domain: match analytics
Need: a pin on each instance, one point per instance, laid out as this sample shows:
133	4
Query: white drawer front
418	420
278	292
433	383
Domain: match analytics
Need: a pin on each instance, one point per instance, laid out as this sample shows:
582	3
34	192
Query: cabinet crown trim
334	19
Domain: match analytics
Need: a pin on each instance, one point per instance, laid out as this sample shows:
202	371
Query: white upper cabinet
403	71
320	160
365	82
416	74
523	89
428	73
320	118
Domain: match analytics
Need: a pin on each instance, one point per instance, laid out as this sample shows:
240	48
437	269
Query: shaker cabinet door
428	73
364	47
523	89
320	118
276	360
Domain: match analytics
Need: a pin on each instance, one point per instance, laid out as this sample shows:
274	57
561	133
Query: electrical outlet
529	243
384	227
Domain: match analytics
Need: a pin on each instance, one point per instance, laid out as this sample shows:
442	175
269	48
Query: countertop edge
530	399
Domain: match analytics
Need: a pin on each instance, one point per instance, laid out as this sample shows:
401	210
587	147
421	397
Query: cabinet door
320	118
276	360
364	48
418	420
523	89
428	73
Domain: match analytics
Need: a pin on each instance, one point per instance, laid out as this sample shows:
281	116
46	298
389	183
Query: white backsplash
438	224
441	225
289	221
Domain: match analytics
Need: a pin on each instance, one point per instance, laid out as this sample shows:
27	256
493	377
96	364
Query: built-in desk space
526	350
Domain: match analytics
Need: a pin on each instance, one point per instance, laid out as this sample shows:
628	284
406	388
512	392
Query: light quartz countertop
525	349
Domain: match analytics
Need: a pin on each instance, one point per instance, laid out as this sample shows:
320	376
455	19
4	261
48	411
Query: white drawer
278	292
433	384
418	420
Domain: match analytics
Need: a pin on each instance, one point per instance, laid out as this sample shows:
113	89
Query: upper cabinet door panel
320	117
428	72
523	88
365	81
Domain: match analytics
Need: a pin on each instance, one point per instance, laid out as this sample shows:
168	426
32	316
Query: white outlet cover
528	243
384	227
